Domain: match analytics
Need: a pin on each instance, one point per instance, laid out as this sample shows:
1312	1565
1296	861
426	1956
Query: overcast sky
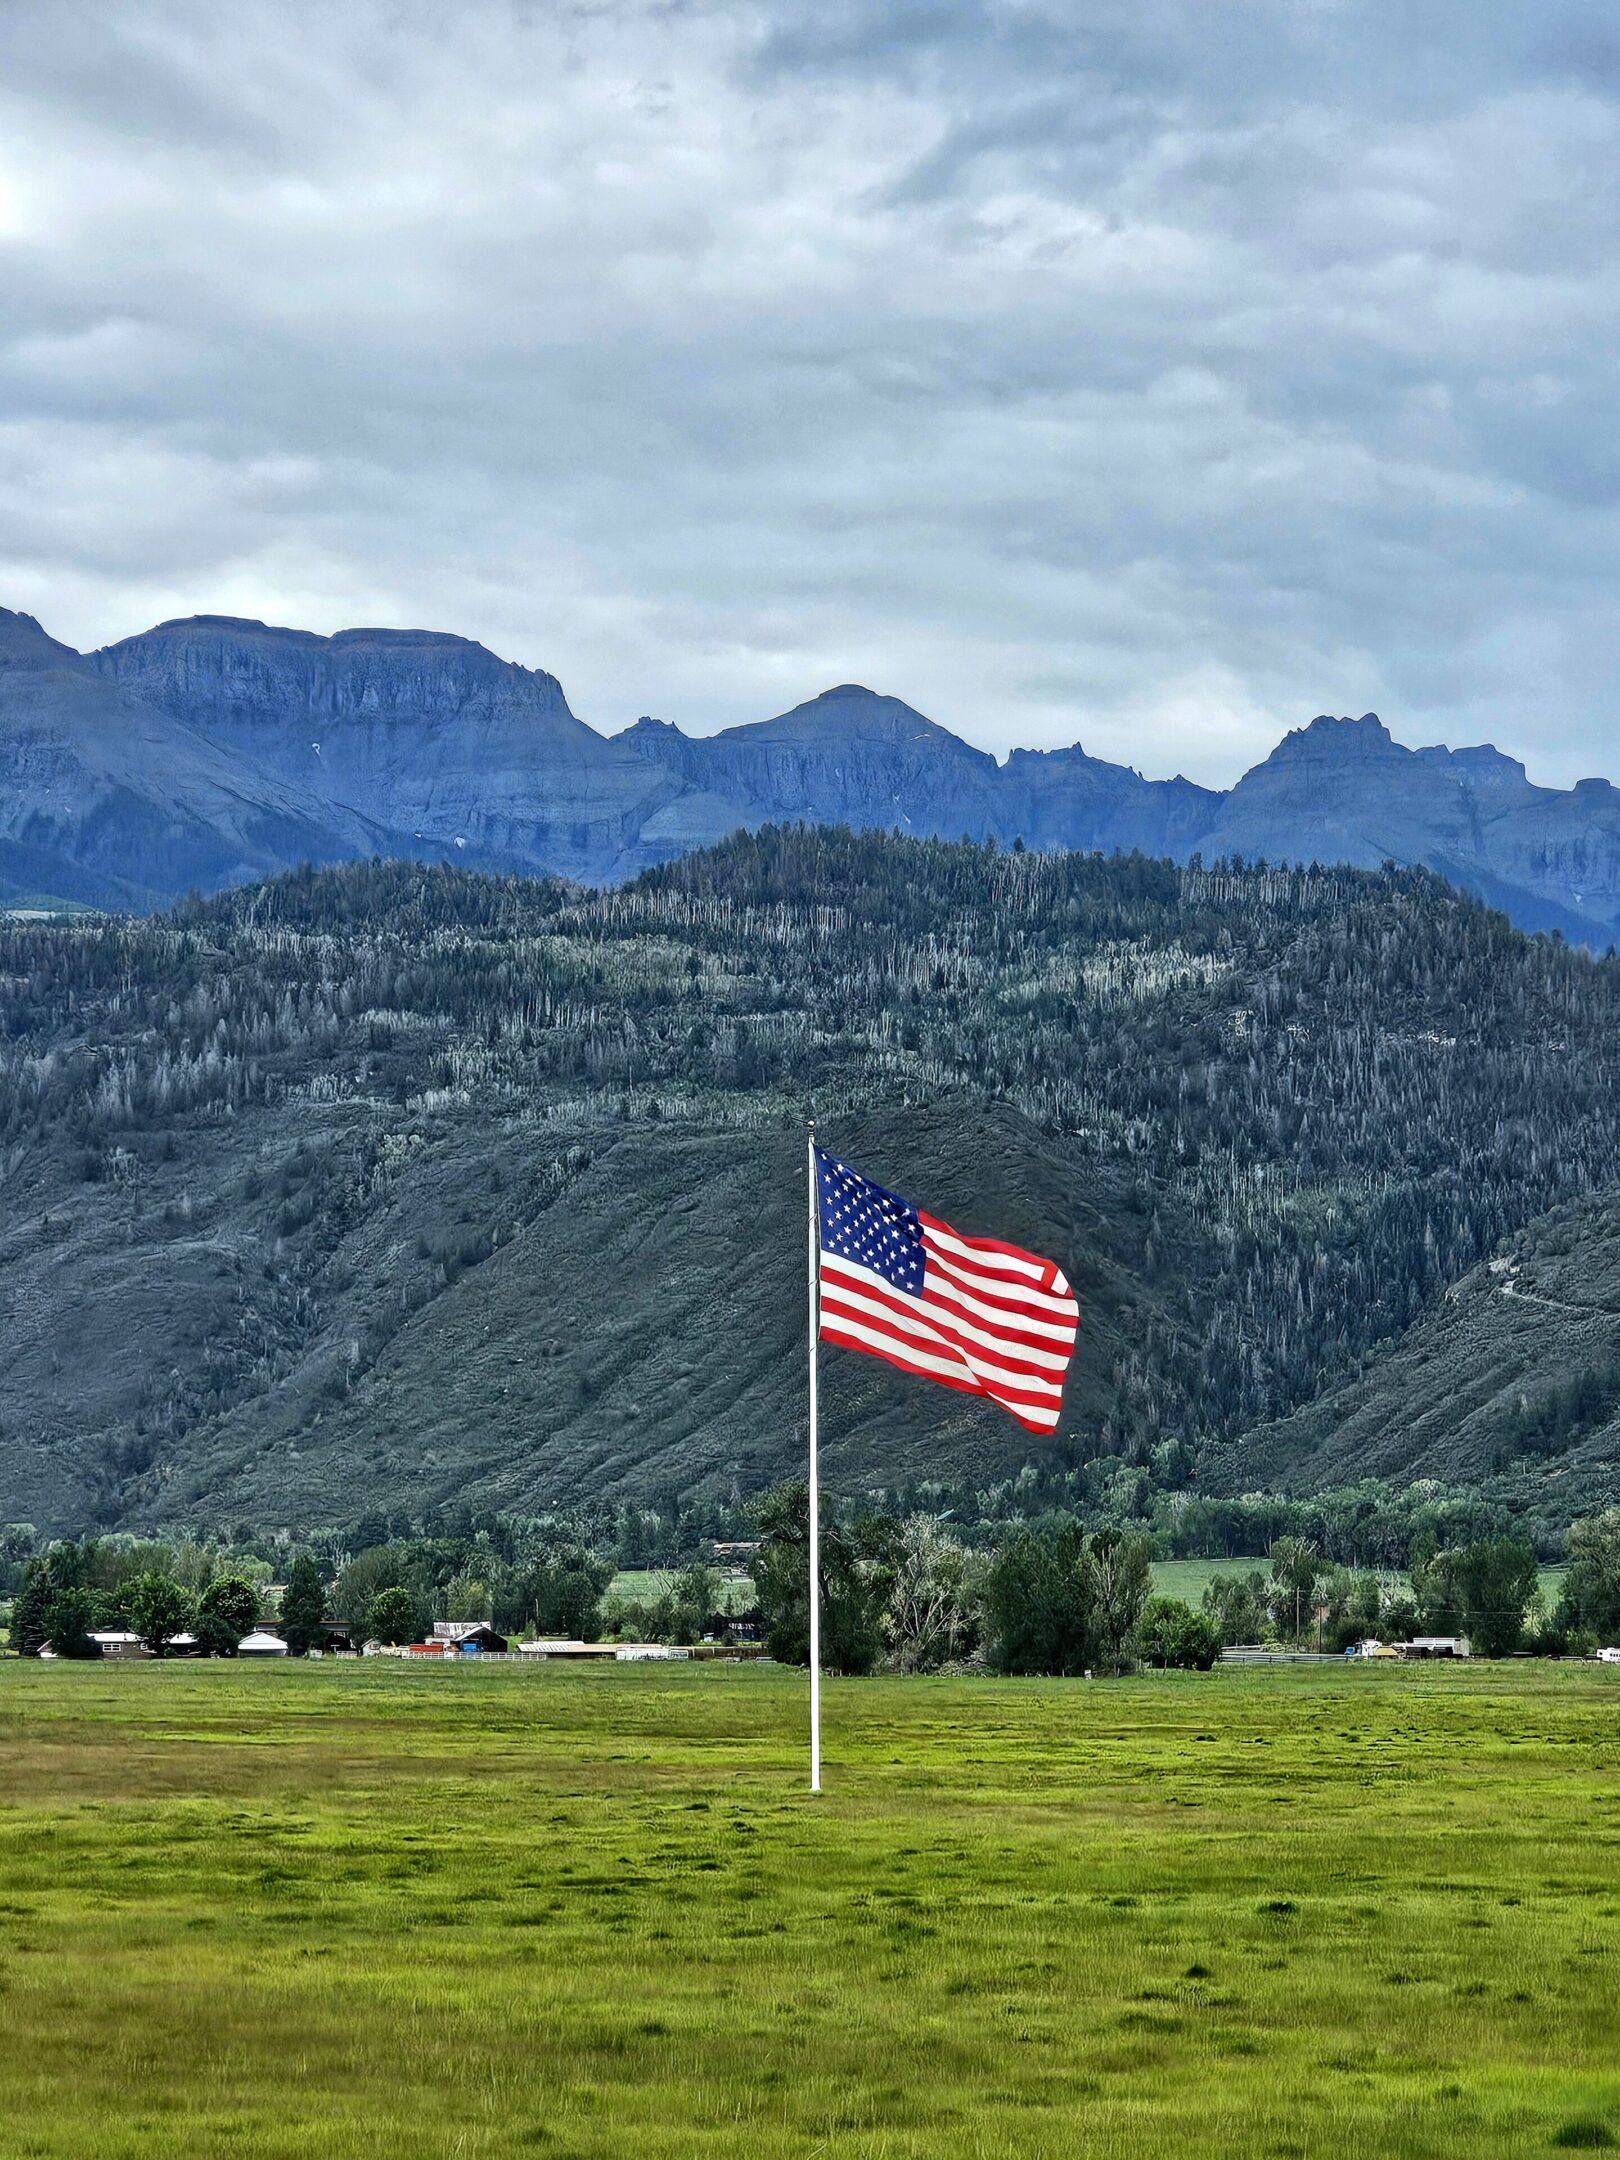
1155	383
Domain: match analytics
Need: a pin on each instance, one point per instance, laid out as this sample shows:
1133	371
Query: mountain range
213	751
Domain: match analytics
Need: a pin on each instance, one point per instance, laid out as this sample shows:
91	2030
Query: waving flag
967	1312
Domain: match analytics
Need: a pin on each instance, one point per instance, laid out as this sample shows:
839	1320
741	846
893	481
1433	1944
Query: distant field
646	1584
374	1910
1188	1578
1171	1578
1174	1578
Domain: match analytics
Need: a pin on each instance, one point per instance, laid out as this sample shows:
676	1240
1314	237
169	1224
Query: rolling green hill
388	1186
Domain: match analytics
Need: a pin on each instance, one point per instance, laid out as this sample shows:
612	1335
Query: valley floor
360	1910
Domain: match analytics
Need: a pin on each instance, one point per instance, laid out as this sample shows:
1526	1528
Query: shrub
1172	1634
159	1608
69	1620
932	1617
393	1616
855	1579
227	1610
1038	1600
1591	1600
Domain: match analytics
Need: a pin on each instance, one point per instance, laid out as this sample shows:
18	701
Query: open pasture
355	1910
1189	1579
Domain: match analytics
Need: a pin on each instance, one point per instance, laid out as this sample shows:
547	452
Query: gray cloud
1156	379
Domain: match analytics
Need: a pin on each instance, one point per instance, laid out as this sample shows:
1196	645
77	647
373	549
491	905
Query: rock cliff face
1059	792
107	800
1344	791
213	750
427	736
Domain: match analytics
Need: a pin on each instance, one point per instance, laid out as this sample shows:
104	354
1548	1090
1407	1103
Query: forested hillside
1511	1382
388	1185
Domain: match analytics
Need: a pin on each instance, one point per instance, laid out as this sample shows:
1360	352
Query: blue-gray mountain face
207	752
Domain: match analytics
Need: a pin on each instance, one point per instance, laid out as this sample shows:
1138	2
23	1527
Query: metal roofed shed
261	1644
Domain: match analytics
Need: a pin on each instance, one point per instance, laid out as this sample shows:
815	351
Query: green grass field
353	1910
649	1584
1171	1578
1189	1578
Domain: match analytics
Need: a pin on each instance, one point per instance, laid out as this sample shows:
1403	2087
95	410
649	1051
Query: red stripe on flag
1037	1421
848	1286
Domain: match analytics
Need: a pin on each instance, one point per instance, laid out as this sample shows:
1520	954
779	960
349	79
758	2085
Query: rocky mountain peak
1337	739
850	712
23	643
281	744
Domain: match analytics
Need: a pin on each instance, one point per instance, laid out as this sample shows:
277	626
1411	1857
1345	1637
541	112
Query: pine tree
303	1607
30	1617
68	1620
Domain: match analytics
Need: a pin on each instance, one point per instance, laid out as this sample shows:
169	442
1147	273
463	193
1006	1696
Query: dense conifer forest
386	1183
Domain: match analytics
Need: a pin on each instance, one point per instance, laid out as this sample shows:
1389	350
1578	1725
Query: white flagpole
815	1482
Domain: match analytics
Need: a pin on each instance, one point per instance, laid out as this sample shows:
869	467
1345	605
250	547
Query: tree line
1051	1597
907	1594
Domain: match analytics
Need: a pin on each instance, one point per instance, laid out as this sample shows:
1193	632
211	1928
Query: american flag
967	1312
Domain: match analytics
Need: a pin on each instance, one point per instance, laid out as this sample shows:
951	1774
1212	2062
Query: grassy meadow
1189	1579
647	1585
352	1910
1186	1579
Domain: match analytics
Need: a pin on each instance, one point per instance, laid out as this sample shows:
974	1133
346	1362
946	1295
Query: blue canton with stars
874	1228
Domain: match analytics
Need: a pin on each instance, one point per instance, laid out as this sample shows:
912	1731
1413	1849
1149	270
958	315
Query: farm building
468	1636
1432	1646
261	1644
118	1643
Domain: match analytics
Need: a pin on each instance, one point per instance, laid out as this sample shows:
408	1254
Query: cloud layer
1156	382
